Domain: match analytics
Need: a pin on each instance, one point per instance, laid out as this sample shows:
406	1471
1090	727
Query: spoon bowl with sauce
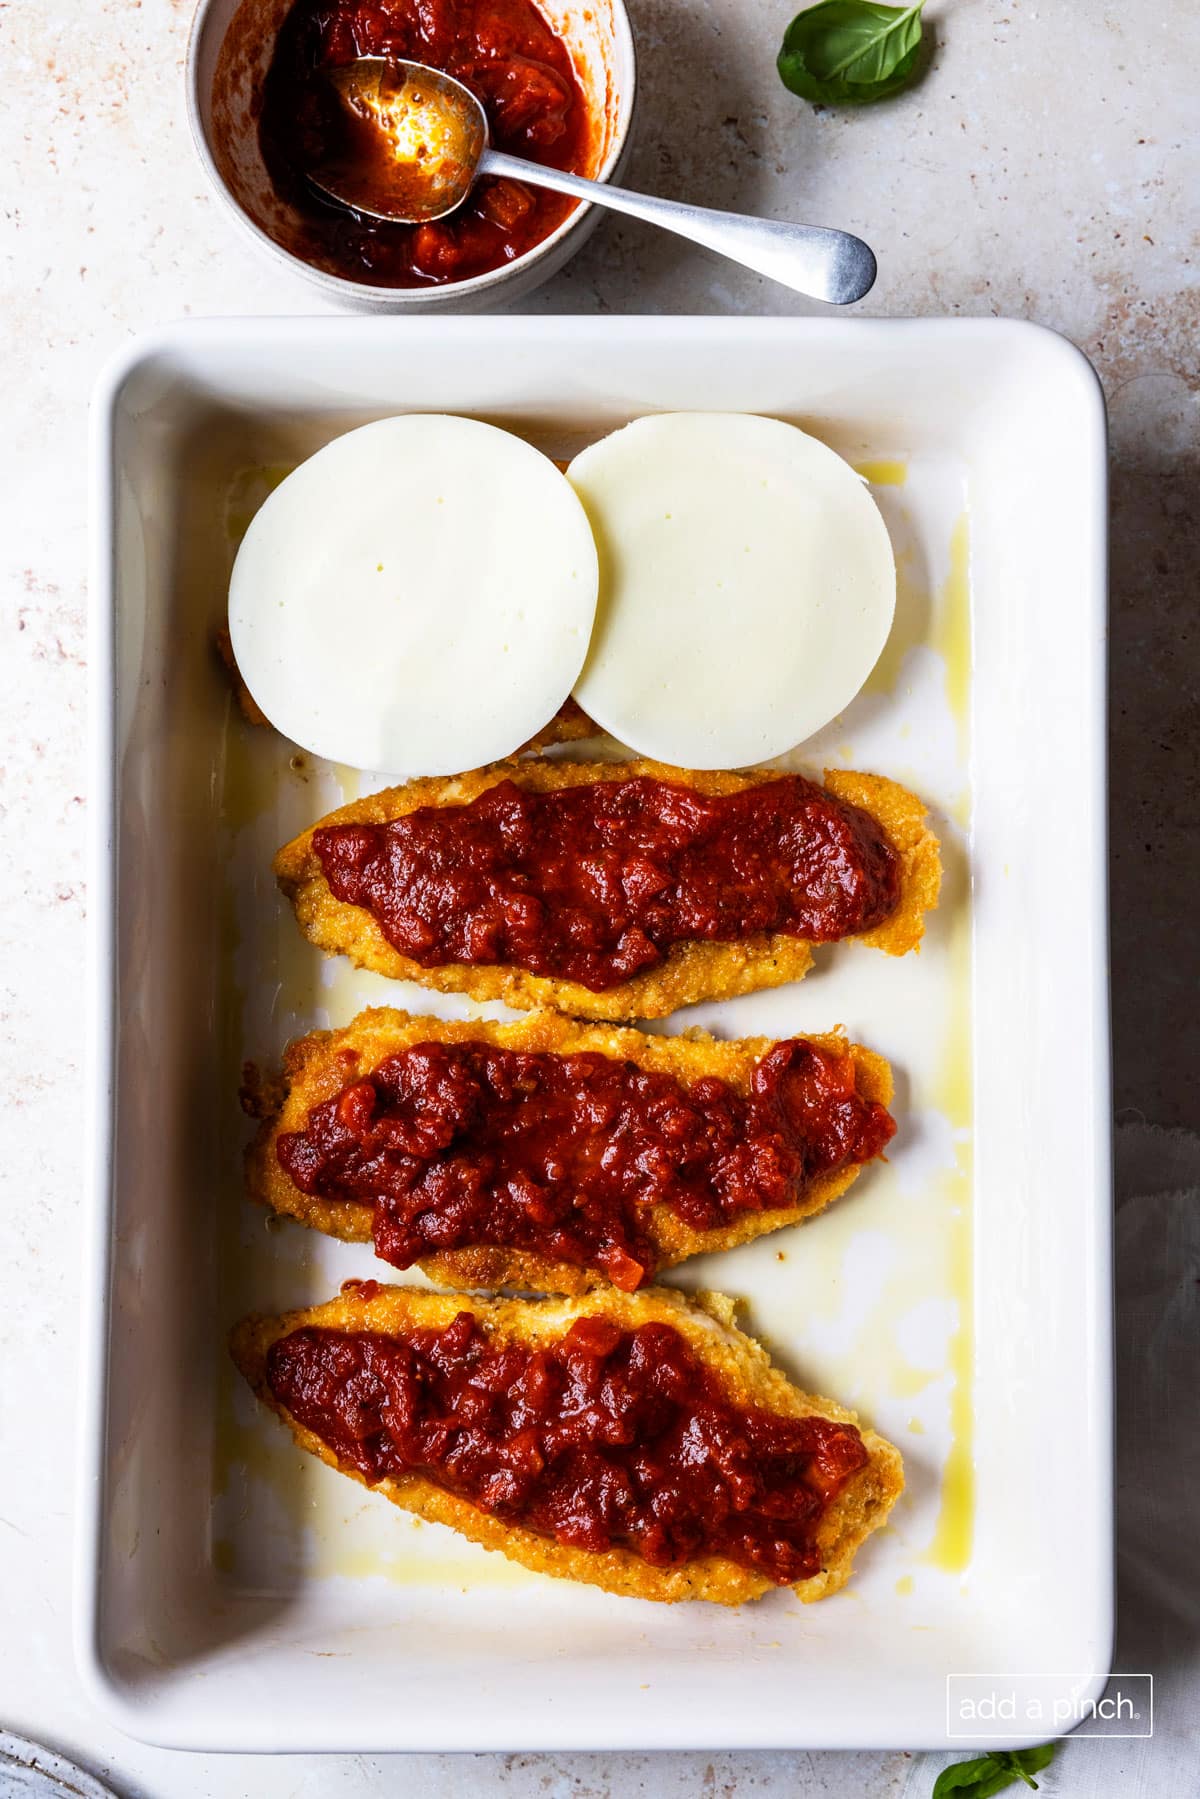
414	141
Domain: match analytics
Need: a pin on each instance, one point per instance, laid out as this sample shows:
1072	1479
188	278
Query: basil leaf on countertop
849	52
989	1774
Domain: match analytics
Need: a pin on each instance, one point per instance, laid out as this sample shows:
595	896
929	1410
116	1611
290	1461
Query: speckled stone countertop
1045	168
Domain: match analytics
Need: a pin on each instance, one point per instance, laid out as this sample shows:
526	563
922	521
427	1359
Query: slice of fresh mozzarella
415	598
747	586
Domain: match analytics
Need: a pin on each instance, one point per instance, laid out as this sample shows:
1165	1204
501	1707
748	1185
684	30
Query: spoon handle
811	259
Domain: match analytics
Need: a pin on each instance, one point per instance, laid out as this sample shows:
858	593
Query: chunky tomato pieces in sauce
603	1439
595	883
504	51
458	1144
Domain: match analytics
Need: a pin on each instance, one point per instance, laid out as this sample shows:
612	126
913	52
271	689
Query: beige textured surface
1045	168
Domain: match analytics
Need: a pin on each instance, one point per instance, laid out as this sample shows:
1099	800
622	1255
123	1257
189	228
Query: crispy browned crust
689	973
708	1327
320	1065
251	711
570	724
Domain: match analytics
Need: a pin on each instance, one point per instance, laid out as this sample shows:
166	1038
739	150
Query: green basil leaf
1032	1761
1008	1771
989	1774
849	52
964	1777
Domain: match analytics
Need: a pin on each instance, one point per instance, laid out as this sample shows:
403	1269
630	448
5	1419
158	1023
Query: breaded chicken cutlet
636	1442
612	891
553	1156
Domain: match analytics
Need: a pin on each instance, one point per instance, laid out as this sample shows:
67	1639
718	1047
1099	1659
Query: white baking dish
233	1594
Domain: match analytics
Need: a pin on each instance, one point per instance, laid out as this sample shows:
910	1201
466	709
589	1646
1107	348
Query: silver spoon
417	141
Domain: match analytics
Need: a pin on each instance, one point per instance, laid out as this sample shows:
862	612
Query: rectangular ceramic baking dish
233	1594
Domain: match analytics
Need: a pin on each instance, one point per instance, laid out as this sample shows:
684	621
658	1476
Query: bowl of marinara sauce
556	79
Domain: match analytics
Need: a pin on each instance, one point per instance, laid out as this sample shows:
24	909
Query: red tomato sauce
457	1144
595	883
504	51
603	1439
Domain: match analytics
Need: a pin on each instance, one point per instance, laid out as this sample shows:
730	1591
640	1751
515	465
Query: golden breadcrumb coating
319	1066
706	1324
570	724
690	972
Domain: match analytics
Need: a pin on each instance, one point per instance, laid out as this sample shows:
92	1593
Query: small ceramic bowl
229	53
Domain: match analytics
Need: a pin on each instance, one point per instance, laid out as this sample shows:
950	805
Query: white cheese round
416	598
747	586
